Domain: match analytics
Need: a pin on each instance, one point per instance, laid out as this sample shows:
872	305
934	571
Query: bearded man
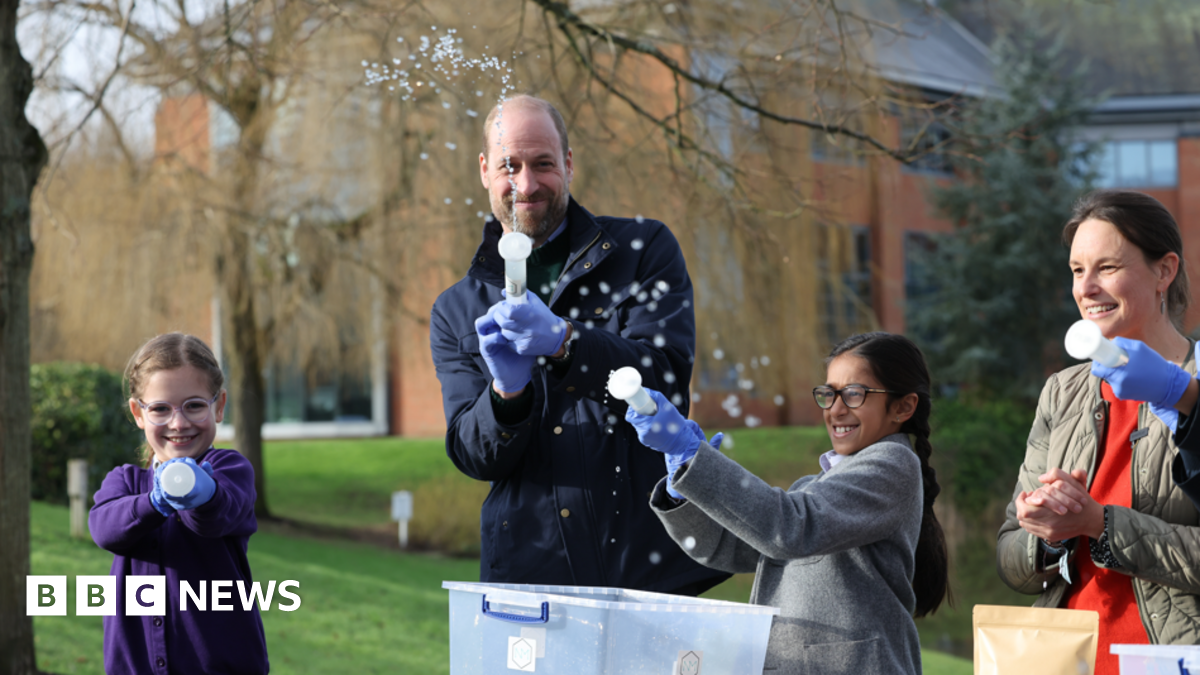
524	385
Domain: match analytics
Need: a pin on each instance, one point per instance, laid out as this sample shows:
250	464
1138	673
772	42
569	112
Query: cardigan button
157	621
160	662
565	513
570	389
599	310
587	265
557	431
606	246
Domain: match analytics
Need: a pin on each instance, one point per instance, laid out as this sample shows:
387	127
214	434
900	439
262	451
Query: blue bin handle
516	618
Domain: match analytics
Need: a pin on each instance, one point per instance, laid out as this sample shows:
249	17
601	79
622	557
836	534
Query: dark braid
900	367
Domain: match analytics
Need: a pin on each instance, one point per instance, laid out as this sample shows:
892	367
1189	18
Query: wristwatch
566	345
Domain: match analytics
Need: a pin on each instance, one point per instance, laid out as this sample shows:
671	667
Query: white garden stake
515	248
1085	341
626	384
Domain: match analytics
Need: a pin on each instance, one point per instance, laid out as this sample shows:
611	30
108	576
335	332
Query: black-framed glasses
853	395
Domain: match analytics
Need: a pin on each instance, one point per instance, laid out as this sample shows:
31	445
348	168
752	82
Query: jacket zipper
1137	591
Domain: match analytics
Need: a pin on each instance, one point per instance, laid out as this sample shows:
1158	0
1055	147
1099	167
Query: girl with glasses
849	555
177	398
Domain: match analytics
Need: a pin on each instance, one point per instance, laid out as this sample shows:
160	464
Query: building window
1138	164
317	396
929	140
844	269
919	281
841	150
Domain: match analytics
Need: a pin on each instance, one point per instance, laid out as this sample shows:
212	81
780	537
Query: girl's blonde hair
168	352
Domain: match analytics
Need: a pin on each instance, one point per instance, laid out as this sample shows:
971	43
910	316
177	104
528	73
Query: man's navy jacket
569	503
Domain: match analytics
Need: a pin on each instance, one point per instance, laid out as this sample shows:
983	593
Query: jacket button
606	246
599	310
1099	416
587	265
570	389
1154	616
505	435
482	259
504	524
565	513
557	430
158	621
160	663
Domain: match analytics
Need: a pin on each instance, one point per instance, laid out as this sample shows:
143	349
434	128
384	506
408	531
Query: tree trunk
247	388
22	156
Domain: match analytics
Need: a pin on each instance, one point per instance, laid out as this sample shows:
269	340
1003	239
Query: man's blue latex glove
201	491
510	370
674	462
158	498
1169	415
1147	377
531	328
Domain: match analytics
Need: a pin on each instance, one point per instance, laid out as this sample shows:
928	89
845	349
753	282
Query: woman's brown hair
1144	222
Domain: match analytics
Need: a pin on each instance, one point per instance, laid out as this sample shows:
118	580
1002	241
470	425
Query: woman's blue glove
669	433
510	370
1147	377
530	326
201	491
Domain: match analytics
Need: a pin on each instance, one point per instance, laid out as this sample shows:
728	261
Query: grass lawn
365	610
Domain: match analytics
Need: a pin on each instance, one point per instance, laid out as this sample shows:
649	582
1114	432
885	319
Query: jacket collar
584	232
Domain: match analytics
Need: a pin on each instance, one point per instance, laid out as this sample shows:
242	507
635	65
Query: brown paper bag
1034	640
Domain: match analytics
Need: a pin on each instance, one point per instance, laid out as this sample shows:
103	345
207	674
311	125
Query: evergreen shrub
79	412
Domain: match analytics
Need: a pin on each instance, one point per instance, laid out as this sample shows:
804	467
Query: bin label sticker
689	663
522	654
538	636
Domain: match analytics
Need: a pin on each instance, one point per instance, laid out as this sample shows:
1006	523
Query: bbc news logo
147	596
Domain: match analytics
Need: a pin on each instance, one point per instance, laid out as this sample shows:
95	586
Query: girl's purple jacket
198	545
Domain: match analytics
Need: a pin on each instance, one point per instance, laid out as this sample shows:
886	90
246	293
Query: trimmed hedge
79	412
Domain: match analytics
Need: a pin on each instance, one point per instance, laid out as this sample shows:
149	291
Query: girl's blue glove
201	491
1147	377
669	433
674	462
510	370
158	498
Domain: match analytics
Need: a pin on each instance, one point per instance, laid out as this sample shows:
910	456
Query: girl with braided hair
849	555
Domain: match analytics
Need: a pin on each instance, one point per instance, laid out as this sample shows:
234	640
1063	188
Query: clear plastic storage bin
1156	659
575	630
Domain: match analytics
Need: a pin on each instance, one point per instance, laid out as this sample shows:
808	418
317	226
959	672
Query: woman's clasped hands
1061	508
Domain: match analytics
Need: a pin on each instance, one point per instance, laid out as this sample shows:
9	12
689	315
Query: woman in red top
1096	522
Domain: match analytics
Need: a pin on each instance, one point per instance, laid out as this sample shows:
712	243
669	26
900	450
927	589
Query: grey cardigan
835	553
